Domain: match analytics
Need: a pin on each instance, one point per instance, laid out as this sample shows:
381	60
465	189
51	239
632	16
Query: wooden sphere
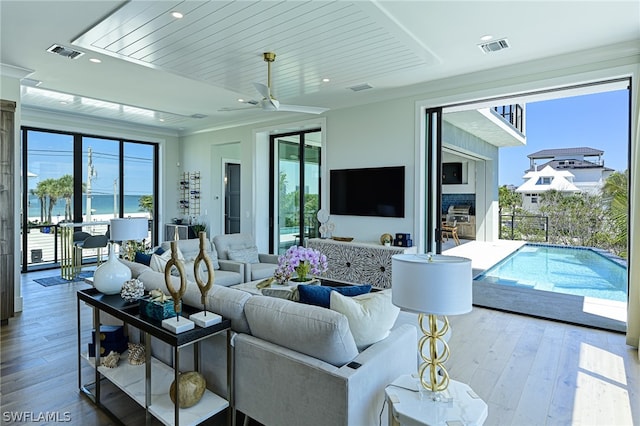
192	387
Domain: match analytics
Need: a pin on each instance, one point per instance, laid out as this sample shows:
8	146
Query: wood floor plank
529	371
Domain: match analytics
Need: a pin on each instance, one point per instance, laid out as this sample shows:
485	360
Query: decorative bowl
345	239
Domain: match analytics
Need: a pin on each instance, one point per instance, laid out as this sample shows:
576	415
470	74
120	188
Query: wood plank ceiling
221	43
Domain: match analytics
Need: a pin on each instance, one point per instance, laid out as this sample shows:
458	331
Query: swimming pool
580	271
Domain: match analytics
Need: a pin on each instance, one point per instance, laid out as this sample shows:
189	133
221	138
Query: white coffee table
407	406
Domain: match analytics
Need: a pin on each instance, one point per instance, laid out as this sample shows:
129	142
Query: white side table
408	408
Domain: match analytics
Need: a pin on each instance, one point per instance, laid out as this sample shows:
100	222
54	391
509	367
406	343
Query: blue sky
599	121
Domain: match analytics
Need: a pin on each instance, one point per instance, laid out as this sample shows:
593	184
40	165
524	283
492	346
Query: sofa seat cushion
260	271
321	333
226	278
321	295
371	316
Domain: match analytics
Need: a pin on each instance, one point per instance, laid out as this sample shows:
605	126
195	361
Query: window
544	181
77	178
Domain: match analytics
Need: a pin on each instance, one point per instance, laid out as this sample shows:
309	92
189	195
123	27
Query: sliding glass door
77	178
295	188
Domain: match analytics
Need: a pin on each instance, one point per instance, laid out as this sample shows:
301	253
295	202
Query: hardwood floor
529	371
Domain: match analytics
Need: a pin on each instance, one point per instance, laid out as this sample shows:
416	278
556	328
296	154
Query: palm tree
51	190
65	187
145	202
616	192
40	192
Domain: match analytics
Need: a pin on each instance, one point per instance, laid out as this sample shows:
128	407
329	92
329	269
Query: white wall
384	134
352	139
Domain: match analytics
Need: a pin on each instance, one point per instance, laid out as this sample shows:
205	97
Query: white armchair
242	248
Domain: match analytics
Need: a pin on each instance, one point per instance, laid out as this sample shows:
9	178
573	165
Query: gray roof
578	164
550	153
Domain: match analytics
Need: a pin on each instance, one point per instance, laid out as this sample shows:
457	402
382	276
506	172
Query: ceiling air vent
198	116
494	46
65	51
360	87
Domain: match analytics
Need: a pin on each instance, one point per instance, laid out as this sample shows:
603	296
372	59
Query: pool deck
600	313
484	254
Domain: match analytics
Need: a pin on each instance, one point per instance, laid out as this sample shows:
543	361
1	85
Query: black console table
136	380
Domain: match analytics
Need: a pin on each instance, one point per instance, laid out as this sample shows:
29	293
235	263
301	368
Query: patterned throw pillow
246	255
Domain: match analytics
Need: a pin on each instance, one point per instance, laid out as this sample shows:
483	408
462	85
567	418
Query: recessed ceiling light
177	15
486	37
63	103
240	100
325	80
95	60
162	119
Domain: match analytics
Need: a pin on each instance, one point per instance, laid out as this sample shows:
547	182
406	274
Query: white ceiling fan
268	102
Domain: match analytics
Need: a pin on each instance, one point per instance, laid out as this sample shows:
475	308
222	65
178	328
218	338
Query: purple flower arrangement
301	260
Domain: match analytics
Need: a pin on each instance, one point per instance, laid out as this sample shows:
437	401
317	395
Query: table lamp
110	276
432	285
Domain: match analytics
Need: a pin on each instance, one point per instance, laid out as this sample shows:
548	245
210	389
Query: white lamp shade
134	228
431	284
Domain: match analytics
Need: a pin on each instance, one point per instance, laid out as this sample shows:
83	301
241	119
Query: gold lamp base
438	378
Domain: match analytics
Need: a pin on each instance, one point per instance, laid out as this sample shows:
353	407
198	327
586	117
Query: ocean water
100	204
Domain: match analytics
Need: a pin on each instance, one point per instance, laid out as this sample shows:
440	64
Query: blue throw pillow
144	258
321	295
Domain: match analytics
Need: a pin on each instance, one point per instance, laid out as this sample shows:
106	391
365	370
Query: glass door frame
274	235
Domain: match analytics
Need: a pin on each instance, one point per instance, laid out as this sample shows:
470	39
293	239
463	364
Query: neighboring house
566	170
539	182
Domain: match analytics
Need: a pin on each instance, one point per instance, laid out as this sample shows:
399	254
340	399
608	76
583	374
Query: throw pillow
370	316
159	262
321	295
247	255
145	258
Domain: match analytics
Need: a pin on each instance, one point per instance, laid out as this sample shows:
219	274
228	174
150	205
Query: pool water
579	271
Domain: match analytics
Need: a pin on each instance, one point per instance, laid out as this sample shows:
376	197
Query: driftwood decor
204	318
203	257
175	324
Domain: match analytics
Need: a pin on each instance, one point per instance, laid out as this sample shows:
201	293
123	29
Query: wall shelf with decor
189	194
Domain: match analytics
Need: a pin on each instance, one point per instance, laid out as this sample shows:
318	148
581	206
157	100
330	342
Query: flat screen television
377	191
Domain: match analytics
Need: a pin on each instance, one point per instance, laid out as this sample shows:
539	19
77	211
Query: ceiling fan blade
239	109
301	108
269	105
263	90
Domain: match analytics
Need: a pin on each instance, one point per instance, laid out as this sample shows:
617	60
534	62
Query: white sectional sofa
294	364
